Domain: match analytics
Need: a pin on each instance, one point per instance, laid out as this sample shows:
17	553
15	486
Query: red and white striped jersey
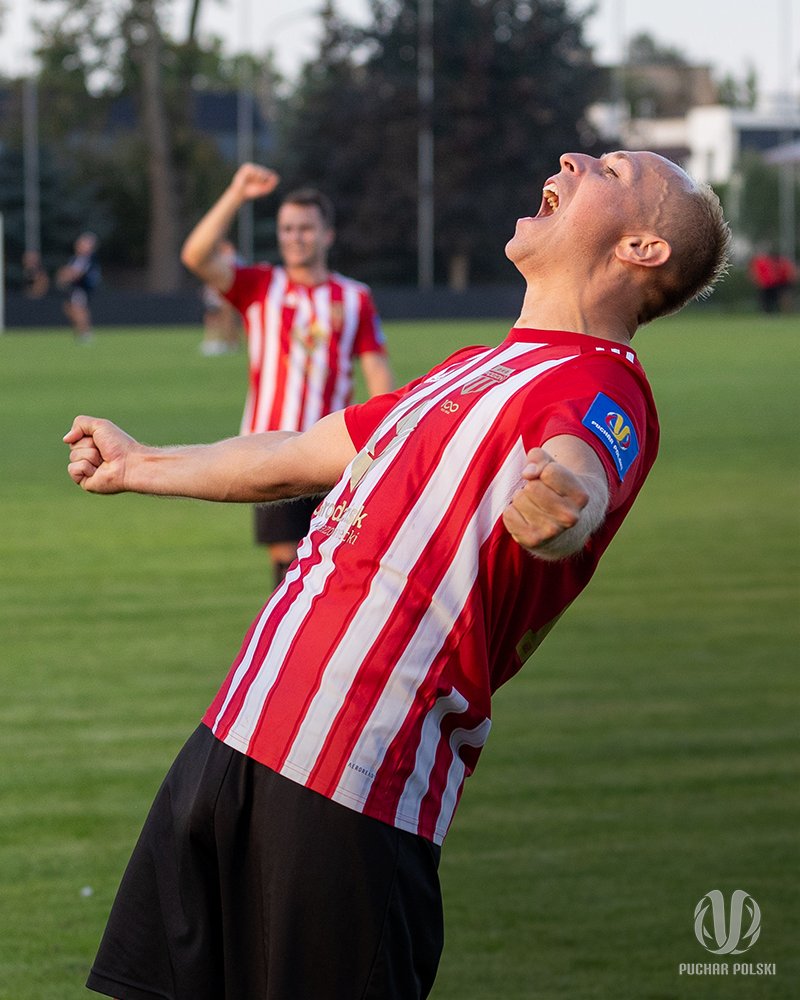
368	675
301	341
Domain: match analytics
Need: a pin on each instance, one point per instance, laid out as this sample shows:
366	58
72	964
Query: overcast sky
728	34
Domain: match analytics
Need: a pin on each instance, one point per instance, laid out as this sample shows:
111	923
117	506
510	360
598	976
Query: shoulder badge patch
614	427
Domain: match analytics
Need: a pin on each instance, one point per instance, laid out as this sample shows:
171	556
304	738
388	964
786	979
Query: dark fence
128	308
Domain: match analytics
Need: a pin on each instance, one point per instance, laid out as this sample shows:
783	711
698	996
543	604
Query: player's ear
644	249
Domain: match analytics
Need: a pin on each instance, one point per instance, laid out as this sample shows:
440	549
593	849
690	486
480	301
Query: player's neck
577	314
311	274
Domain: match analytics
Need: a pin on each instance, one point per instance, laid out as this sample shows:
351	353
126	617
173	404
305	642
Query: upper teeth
551	196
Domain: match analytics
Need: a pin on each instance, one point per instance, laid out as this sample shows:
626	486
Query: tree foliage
739	92
66	208
755	203
644	50
512	82
97	58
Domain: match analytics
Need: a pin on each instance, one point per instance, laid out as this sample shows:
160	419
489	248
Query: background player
293	849
222	329
78	279
774	275
304	326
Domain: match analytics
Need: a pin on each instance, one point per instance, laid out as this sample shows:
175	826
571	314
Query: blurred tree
94	54
644	50
319	134
66	208
739	92
512	82
659	81
756	212
145	52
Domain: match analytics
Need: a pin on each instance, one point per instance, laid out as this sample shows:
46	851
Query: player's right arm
200	253
249	469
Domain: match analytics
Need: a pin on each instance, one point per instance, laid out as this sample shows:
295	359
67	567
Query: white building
707	140
716	137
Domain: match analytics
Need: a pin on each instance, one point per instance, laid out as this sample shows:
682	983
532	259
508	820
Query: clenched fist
98	454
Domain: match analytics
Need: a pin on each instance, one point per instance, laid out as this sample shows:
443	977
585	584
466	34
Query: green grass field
648	753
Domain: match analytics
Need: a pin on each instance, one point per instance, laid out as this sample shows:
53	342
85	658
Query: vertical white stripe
296	365
255	345
255	323
271	360
317	371
351	300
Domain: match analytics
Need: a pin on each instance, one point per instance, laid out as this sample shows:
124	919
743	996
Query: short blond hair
700	240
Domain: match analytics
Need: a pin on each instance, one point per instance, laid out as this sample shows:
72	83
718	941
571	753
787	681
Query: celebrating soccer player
292	851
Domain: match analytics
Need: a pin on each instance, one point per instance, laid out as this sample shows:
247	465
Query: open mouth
549	200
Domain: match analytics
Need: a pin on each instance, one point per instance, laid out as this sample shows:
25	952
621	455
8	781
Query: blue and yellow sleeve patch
614	427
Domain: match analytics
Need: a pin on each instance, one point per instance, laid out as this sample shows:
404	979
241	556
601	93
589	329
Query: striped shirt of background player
295	376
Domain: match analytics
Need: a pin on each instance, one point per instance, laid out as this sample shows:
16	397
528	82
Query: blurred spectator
35	282
77	280
774	276
222	330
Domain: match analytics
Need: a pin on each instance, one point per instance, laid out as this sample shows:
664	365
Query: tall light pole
30	163
425	171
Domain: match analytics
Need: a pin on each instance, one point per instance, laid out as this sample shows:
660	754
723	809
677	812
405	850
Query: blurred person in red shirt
774	276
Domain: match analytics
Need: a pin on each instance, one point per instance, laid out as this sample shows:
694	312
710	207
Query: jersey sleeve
369	336
249	285
607	404
361	419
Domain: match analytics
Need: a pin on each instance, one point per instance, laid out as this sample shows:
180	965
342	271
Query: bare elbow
189	258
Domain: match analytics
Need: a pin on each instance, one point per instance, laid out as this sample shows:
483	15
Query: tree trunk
194	14
163	265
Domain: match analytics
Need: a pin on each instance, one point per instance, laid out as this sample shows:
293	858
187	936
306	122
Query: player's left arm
253	468
377	372
564	499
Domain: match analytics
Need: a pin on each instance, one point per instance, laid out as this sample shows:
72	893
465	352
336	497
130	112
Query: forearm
377	373
199	252
271	466
250	469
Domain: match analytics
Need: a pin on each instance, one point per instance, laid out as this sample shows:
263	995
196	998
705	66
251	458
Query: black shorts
247	886
284	520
